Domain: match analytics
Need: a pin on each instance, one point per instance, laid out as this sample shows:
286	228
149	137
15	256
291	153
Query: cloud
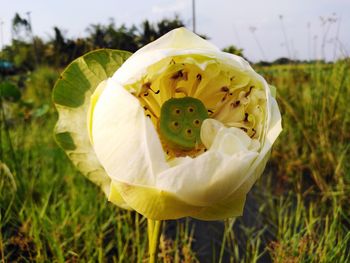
172	7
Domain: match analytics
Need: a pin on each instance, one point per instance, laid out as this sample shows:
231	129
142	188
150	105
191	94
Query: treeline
27	51
288	61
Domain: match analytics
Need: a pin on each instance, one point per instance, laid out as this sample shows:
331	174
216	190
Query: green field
299	211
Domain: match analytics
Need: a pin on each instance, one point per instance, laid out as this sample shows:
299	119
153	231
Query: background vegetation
297	212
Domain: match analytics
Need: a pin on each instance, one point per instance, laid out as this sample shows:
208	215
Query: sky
264	29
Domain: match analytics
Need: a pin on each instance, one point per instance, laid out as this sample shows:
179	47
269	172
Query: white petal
232	206
257	168
213	175
216	136
274	128
180	38
128	146
93	100
209	129
275	125
125	141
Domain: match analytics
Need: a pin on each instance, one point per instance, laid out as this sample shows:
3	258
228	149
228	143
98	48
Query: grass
297	212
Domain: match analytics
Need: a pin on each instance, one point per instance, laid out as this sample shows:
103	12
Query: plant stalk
154	230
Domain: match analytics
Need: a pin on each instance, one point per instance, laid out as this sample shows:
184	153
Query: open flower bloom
182	129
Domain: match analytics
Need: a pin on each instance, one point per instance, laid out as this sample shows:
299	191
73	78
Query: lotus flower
180	129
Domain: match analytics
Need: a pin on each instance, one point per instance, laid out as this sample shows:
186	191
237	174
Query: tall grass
297	212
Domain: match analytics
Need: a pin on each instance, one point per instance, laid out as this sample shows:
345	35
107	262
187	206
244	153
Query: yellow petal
154	203
228	208
116	198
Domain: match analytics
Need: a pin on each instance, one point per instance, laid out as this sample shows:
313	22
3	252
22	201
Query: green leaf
71	96
65	140
9	91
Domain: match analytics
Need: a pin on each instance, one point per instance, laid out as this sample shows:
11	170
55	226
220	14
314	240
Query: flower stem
154	227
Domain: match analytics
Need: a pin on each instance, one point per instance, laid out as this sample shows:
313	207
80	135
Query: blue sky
253	25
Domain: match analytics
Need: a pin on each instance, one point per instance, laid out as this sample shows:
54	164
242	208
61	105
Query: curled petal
125	140
177	42
233	205
215	174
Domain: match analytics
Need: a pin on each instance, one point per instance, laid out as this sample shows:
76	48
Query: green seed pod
180	122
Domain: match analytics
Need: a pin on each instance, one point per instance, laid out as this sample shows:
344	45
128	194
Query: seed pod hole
189	133
177	112
190	109
196	123
175	126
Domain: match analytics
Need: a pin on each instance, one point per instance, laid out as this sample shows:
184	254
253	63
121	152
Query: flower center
230	96
180	122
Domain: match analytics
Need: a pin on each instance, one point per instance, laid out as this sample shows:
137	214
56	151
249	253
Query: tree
149	32
61	50
112	37
234	50
166	25
20	25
